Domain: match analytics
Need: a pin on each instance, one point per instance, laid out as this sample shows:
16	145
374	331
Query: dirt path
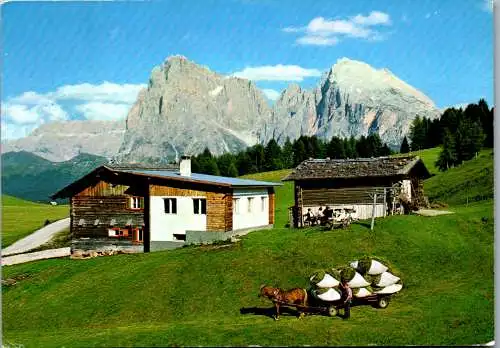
38	255
431	212
37	238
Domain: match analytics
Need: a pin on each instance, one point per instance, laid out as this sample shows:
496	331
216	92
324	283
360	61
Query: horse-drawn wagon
331	308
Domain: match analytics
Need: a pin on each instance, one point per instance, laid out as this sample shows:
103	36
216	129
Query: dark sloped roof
357	168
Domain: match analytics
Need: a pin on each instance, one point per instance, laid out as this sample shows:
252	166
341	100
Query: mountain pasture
207	295
20	217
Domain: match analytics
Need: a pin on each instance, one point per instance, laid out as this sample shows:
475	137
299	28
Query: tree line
461	132
260	158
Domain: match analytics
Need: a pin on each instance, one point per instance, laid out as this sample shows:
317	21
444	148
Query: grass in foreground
20	217
193	296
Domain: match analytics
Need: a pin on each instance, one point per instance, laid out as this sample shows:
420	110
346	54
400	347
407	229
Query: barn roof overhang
352	169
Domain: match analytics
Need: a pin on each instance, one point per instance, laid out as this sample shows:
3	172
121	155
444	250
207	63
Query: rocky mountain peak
361	78
188	107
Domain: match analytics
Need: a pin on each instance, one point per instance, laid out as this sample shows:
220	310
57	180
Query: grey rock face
61	141
186	108
352	99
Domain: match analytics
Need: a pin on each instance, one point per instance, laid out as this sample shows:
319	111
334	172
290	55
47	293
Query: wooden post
385	202
146	236
373	210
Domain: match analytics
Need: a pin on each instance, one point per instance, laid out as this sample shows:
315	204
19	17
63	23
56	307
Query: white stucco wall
164	226
363	211
258	216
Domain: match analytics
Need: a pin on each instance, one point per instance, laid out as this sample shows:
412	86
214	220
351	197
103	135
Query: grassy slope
473	179
429	156
20	218
193	296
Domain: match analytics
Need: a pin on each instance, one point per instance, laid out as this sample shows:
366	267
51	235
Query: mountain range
186	108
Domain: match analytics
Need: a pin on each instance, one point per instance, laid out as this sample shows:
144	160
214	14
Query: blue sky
87	60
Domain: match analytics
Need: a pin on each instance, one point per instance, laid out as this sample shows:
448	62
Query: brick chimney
185	165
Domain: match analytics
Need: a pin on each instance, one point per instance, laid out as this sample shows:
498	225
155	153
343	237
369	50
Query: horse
296	296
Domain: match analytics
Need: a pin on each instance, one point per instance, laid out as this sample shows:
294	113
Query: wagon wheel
383	302
332	311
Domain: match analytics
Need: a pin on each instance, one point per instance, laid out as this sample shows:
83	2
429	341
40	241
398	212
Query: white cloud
327	32
106	91
103	111
317	40
374	18
277	73
106	101
12	131
271	94
25	114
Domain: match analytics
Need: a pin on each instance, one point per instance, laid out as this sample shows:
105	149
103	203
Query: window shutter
203	206
174	206
196	205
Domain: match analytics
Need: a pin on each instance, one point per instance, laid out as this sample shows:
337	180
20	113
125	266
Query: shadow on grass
268	312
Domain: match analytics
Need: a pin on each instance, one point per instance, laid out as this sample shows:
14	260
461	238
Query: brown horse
296	296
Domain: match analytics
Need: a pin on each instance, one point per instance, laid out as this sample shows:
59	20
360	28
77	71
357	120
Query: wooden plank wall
105	209
229	213
103	188
160	190
271	206
358	195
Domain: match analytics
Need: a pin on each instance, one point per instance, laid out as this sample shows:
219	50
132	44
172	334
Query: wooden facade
103	206
111	205
363	185
272	206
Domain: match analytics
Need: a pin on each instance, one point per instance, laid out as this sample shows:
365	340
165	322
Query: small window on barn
199	206
136	203
250	201
263	203
170	205
236	205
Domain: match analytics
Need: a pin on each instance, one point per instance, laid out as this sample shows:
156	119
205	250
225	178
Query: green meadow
207	295
20	217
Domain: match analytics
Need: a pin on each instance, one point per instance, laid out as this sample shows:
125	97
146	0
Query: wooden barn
358	184
145	209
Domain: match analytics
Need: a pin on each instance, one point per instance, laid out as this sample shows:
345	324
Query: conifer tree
405	148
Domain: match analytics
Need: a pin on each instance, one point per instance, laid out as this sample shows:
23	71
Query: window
170	205
136	203
118	232
179	236
200	206
138	235
250	200
263	204
236	205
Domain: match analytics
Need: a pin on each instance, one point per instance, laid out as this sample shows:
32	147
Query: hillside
31	177
20	217
165	298
473	180
208	295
